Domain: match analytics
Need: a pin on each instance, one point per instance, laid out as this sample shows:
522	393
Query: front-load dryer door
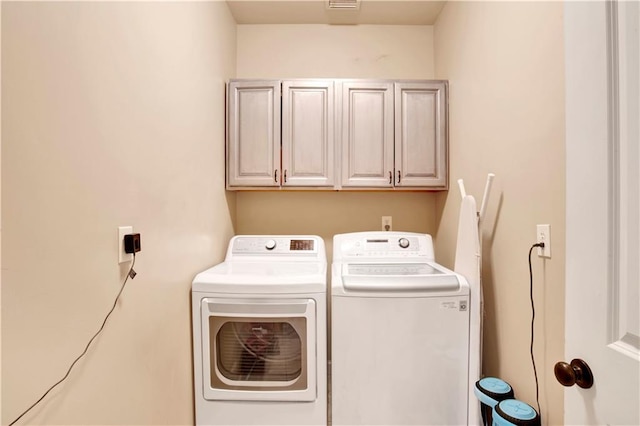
259	349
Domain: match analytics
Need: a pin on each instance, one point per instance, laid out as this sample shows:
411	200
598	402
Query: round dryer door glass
267	351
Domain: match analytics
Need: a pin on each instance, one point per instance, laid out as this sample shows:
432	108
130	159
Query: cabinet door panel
308	133
420	134
253	143
367	134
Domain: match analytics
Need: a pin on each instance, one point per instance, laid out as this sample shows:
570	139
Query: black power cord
533	317
131	274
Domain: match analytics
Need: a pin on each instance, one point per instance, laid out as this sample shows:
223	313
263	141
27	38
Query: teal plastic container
513	412
490	391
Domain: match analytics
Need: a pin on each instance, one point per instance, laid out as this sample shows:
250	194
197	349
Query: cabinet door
308	133
367	134
421	134
253	142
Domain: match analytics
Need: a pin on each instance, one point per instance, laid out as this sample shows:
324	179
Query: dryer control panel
270	245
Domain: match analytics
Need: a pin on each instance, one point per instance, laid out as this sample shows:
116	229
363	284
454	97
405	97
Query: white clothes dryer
399	333
259	333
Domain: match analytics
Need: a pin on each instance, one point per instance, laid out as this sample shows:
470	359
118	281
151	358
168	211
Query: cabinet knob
285	175
576	373
275	176
390	178
398	176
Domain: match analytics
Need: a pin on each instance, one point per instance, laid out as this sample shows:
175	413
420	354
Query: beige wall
110	118
329	213
504	62
338	51
334	51
113	114
1	266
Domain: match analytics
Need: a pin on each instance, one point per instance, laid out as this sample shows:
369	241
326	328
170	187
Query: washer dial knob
270	245
403	242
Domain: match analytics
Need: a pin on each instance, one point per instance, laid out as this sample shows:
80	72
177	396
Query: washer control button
270	245
403	242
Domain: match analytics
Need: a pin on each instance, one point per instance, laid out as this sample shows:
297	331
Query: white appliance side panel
197	347
400	361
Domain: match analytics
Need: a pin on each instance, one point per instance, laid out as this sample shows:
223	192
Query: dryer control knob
403	242
270	245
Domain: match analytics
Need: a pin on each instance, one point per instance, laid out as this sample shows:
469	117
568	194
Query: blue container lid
514	412
491	390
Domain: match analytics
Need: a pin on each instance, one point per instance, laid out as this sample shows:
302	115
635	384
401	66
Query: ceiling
379	12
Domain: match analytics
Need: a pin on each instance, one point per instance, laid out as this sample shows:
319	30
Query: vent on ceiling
343	4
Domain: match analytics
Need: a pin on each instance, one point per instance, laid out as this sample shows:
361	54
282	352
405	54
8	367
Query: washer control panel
383	245
273	244
404	243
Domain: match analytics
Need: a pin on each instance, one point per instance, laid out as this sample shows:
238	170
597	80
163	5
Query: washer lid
398	277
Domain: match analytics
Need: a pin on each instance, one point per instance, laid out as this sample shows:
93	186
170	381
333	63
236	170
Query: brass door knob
576	373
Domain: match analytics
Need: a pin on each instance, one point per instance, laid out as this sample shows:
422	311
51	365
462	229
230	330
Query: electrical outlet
386	223
543	233
122	255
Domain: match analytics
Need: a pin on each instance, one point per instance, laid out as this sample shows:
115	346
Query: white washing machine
399	333
259	334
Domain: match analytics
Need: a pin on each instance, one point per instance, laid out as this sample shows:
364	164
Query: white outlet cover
122	256
544	235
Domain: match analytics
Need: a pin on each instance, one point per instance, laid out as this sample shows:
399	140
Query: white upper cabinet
337	134
263	151
253	133
308	133
367	134
394	134
420	134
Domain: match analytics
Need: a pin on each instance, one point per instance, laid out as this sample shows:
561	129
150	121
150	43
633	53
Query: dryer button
270	245
403	242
